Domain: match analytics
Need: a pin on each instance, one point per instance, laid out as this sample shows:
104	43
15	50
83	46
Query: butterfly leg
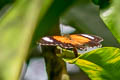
75	52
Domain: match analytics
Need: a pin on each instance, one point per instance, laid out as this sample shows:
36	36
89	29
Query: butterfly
73	41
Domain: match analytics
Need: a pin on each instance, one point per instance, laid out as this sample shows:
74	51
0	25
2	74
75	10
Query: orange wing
62	39
86	40
67	40
79	39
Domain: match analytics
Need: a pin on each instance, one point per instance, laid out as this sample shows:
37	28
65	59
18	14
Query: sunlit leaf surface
100	64
110	16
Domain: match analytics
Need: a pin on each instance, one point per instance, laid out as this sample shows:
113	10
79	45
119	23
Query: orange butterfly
74	41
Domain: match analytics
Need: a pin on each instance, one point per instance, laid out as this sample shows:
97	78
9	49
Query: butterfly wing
92	37
56	41
80	41
87	40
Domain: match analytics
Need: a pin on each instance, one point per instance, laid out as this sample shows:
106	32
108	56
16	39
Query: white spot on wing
88	36
47	39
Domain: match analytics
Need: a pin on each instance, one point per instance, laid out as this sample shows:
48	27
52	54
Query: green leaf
110	16
16	29
100	64
23	24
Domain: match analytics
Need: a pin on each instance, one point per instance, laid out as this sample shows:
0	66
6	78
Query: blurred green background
82	15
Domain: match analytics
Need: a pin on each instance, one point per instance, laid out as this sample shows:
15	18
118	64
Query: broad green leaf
25	18
16	29
100	64
110	16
